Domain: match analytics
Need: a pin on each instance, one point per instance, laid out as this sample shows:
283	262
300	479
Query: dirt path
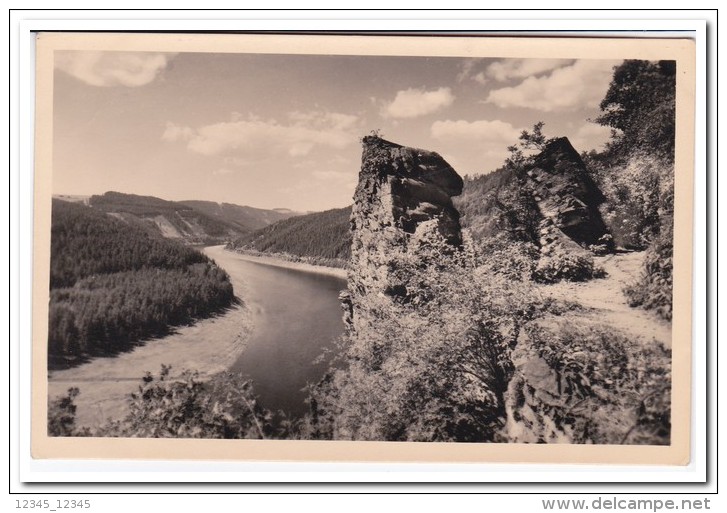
605	303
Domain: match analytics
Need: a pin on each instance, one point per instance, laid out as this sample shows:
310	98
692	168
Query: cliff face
402	204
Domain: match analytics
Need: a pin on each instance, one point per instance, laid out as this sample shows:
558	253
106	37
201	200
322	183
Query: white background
23	469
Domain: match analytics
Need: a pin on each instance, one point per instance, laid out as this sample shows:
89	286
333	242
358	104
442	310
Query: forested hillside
247	218
322	237
113	284
168	218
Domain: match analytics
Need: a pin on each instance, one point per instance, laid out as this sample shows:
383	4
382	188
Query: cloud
590	136
174	133
106	69
469	66
480	78
482	131
411	103
583	84
507	69
252	136
222	171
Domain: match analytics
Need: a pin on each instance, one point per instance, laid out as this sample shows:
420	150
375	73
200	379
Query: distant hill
73	198
323	236
170	219
193	222
247	218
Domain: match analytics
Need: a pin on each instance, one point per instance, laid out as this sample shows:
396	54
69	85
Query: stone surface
566	197
402	205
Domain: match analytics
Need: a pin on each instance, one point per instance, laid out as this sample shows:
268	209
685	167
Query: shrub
185	406
609	389
188	407
653	289
434	367
567	266
62	416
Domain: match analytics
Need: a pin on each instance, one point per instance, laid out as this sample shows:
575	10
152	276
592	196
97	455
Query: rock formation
402	204
566	197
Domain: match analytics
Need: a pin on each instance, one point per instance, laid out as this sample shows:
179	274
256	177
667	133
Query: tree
529	143
637	172
640	108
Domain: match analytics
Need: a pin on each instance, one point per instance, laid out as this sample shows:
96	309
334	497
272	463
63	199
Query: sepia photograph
479	244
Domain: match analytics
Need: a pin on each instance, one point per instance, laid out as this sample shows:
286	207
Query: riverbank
300	266
210	346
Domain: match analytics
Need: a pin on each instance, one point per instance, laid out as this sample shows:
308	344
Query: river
296	316
287	318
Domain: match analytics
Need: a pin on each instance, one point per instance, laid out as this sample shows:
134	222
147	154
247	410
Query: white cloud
222	171
590	136
411	103
253	136
583	84
483	131
173	133
106	69
522	68
480	78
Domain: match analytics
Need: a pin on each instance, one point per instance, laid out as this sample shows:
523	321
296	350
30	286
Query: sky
283	131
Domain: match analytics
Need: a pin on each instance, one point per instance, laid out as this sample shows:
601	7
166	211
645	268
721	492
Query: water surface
296	315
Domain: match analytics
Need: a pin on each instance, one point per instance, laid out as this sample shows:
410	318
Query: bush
188	407
566	266
605	388
185	406
434	367
62	416
653	289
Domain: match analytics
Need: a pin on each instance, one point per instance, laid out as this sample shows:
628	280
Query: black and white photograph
330	245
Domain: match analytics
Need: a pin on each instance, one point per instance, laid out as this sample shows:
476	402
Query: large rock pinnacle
403	202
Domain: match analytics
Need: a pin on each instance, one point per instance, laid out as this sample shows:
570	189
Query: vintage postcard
363	248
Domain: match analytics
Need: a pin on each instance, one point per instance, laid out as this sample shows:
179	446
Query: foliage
85	242
319	235
634	192
563	265
106	313
640	106
434	367
636	172
184	406
62	416
244	218
112	285
610	389
529	143
653	289
513	260
188	407
496	204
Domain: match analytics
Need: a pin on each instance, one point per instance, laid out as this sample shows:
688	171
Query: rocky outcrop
566	197
402	206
